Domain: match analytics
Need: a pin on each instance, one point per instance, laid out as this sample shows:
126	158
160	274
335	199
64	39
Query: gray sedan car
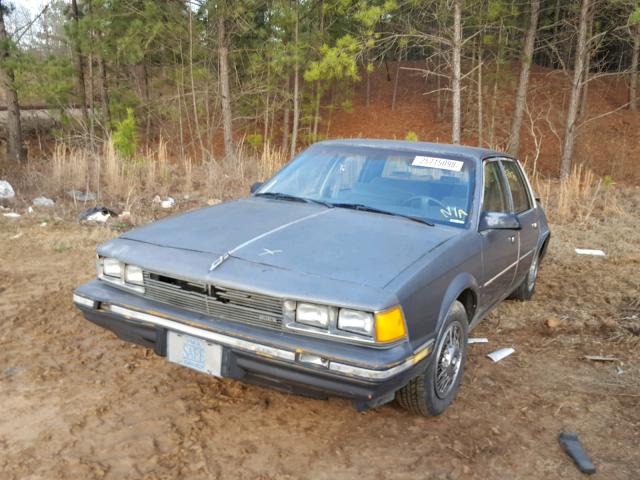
357	271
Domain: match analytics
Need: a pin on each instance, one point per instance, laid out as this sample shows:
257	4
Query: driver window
494	196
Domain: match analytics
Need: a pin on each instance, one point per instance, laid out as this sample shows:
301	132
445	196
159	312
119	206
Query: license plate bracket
195	353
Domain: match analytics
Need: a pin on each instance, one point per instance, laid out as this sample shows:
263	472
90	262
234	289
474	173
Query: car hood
353	246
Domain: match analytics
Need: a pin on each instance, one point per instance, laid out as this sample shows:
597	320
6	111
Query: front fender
461	282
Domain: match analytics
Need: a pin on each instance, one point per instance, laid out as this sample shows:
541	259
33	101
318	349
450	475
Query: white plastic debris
30	209
500	354
168	202
601	358
12	215
6	190
43	202
43	224
97	214
587	251
16	236
477	340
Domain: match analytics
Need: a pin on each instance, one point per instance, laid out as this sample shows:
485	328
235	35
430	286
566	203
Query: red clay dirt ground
79	403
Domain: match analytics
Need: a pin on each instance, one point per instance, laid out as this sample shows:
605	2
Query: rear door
523	205
499	247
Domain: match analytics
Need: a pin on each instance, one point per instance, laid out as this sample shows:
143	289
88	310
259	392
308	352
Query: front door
499	247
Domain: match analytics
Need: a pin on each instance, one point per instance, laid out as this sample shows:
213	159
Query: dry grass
116	178
579	198
576	198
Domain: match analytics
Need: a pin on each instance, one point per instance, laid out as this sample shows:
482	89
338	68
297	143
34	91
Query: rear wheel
431	392
527	287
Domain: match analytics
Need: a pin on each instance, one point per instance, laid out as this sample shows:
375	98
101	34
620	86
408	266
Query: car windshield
431	188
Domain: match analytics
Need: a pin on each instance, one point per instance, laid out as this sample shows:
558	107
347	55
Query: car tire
423	395
527	287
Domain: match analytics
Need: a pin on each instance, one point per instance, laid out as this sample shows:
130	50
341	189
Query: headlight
133	275
111	267
344	323
355	321
118	273
313	315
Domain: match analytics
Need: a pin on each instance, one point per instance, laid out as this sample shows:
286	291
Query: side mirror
254	188
499	221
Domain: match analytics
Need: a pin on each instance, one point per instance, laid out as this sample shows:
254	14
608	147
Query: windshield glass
435	188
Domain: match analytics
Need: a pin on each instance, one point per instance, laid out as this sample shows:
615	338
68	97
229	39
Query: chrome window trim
527	185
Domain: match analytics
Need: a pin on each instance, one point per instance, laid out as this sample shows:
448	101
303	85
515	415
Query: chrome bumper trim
267	351
256	348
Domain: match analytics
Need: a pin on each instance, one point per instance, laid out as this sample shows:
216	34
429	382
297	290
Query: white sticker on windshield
441	163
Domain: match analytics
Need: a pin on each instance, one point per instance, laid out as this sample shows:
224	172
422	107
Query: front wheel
431	392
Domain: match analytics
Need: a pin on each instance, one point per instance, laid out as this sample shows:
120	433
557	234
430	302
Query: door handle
512	239
534	224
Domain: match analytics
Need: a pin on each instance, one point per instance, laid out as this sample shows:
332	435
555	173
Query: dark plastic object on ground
573	447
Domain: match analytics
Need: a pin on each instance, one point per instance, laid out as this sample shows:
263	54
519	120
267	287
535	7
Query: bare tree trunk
576	88
367	101
582	109
225	99
316	114
480	99
395	83
104	94
439	109
296	88
196	119
523	84
147	99
633	84
455	81
494	98
79	62
285	119
7	79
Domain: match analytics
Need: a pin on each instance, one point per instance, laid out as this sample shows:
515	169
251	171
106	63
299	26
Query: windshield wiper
293	198
366	208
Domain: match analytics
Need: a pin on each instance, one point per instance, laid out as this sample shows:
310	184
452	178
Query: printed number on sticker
441	163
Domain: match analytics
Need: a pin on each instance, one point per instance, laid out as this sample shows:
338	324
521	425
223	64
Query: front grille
218	302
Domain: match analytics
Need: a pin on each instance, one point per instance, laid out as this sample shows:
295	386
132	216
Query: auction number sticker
441	163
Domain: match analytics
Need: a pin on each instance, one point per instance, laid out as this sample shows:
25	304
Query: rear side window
519	192
494	198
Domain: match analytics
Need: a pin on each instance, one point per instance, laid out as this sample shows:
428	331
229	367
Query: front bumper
284	361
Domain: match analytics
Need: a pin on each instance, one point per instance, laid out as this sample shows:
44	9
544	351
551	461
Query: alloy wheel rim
449	359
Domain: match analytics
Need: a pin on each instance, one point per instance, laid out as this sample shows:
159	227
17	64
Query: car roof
473	153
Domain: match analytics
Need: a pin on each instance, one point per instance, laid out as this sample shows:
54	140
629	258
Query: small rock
6	191
553	323
81	196
30	209
43	202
